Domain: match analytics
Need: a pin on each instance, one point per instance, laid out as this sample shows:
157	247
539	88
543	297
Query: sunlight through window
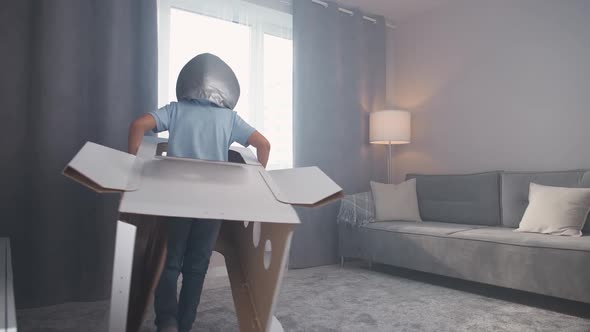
257	46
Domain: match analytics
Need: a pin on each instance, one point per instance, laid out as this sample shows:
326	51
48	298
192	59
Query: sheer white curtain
255	41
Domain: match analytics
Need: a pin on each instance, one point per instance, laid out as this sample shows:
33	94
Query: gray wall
500	84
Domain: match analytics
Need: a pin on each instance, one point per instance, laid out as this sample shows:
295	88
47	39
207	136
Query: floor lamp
389	127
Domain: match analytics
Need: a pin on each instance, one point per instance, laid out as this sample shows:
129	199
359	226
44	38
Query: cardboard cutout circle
208	77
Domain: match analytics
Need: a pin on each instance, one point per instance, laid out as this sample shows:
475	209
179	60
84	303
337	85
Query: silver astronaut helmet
206	76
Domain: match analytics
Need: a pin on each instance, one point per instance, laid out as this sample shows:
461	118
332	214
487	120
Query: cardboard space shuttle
240	192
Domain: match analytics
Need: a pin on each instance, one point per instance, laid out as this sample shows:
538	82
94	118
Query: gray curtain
71	71
339	77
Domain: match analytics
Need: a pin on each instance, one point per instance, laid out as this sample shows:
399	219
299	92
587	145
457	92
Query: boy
201	126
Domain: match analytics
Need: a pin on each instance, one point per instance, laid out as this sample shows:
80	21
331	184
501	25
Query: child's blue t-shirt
200	129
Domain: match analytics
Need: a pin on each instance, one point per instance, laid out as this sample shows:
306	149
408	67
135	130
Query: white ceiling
394	10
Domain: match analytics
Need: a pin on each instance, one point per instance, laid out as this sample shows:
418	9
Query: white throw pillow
396	202
556	210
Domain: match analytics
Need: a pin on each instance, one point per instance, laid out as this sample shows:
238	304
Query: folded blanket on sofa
357	209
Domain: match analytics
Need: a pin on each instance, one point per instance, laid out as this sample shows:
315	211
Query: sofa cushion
420	228
483	257
462	199
534	240
515	190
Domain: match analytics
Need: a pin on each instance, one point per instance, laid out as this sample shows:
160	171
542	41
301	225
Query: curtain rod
351	13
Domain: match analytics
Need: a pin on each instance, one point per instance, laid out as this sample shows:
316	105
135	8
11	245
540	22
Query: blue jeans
190	244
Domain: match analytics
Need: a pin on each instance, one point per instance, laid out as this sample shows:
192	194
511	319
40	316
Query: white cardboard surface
162	186
247	154
302	186
109	168
195	189
275	325
192	188
123	262
255	288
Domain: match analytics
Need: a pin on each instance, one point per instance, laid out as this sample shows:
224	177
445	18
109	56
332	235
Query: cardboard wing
165	186
103	169
154	186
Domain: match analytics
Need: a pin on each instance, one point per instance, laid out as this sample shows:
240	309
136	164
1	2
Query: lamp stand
389	163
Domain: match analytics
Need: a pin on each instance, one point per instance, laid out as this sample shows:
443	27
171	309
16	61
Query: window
255	42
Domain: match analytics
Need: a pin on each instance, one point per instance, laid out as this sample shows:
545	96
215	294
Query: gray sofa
467	233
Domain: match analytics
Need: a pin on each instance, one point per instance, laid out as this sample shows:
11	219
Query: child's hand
262	146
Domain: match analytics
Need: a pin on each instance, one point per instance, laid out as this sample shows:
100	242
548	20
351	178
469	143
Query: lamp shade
389	127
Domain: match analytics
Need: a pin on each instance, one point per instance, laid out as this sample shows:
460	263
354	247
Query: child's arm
137	129
262	146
